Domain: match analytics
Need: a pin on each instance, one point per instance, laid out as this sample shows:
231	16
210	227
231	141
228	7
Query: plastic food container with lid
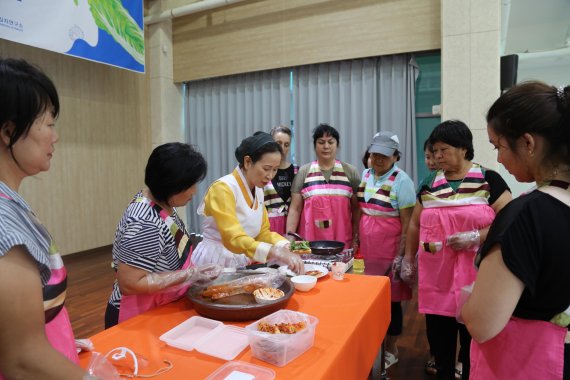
208	337
280	349
237	370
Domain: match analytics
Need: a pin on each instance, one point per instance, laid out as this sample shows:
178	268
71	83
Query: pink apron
278	224
57	324
524	349
277	207
380	233
327	213
133	305
442	274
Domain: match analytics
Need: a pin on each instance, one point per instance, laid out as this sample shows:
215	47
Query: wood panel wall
99	160
265	34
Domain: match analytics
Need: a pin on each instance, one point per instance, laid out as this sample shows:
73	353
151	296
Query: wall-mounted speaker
509	68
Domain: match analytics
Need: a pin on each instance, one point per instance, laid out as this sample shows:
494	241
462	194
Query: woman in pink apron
37	340
277	192
386	197
323	195
456	204
151	251
518	312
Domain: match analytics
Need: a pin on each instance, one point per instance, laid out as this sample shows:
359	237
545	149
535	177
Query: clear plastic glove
205	274
409	270
158	281
464	240
101	368
397	267
463	297
84	345
282	256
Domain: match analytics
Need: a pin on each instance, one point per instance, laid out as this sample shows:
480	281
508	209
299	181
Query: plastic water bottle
358	264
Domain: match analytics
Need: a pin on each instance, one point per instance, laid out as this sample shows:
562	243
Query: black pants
430	337
397	320
443	331
111	316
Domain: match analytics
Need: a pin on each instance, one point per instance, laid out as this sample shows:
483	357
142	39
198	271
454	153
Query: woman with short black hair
323	195
152	250
236	226
455	207
36	339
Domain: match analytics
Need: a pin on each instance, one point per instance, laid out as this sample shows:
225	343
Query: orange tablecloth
353	314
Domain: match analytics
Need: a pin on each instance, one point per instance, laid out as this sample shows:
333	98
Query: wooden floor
90	280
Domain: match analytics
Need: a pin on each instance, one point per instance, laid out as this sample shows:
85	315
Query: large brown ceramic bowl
241	307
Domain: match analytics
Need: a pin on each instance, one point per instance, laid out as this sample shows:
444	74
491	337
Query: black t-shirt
497	185
532	231
282	182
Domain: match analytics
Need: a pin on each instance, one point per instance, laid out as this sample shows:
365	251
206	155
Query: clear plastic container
189	333
225	342
241	370
207	336
280	349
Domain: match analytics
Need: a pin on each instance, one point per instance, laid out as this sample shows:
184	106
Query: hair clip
560	93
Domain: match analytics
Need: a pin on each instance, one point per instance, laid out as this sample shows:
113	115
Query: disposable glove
100	368
463	297
397	267
464	240
205	273
408	270
158	281
282	256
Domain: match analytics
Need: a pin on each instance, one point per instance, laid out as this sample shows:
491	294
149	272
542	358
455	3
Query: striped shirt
143	240
18	228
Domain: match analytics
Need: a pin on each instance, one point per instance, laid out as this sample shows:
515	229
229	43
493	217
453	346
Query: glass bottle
358	264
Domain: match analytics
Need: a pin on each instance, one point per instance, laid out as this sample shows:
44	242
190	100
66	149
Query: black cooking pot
322	247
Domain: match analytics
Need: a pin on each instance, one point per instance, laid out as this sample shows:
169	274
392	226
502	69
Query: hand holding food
283	256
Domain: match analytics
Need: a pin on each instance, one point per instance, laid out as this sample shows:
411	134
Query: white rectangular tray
207	336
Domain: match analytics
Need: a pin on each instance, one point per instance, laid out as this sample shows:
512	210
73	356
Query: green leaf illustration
112	17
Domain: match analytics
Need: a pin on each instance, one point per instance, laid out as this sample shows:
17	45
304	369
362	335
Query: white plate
324	271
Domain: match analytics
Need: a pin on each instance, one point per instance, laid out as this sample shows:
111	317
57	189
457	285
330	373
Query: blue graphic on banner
107	49
106	31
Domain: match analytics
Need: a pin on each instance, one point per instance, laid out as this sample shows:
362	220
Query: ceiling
535	25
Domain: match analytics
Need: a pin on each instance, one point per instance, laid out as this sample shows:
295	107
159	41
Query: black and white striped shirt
17	227
144	241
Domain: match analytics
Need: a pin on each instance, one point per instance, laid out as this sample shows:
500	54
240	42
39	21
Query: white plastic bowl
304	283
267	295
